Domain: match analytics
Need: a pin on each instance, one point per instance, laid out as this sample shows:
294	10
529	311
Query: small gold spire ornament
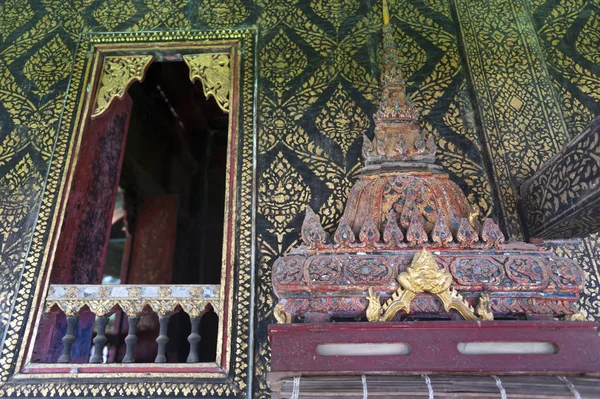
386	13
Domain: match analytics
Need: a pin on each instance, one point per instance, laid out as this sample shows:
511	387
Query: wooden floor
440	386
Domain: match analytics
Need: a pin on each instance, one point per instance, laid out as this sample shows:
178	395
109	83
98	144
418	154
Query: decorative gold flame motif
213	71
118	72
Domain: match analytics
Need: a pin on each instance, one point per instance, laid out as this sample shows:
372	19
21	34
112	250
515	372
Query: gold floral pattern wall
569	34
317	90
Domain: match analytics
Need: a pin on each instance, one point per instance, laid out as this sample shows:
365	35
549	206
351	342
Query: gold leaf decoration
461	119
282	194
273	11
213	71
342	120
113	13
577	116
48	65
163	13
281	61
68	13
588	41
42	124
335	11
275	124
15	13
12	143
441	6
222	13
412	56
19	191
117	73
478	189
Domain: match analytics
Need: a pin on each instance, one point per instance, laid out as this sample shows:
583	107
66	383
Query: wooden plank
81	248
434	348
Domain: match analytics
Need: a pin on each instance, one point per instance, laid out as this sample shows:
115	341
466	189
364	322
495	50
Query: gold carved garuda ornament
423	275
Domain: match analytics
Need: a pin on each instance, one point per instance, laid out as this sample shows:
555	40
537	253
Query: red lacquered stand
433	347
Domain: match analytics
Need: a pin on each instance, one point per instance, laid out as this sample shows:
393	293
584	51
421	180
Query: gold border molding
118	72
423	275
213	71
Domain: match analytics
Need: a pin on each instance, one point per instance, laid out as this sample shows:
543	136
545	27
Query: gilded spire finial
386	13
398	135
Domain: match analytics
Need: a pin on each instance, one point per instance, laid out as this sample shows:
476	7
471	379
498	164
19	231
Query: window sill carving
133	300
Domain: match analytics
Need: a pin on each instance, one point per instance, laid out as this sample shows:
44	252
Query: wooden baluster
131	339
68	339
194	339
163	320
100	339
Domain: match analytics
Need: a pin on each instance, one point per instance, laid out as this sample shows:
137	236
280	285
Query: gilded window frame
232	373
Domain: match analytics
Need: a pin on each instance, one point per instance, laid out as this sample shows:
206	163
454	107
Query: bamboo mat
441	386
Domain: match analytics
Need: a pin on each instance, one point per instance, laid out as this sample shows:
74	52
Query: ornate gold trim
214	72
484	308
131	299
423	275
281	315
576	317
118	72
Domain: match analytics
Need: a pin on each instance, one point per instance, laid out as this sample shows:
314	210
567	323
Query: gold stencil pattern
66	15
522	120
48	65
282	60
15	13
412	56
554	28
335	11
165	14
113	13
282	194
19	189
588	39
342	120
219	14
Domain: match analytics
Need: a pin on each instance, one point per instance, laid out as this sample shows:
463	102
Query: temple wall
501	88
568	33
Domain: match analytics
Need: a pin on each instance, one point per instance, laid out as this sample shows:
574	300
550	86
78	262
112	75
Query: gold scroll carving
213	71
118	72
423	275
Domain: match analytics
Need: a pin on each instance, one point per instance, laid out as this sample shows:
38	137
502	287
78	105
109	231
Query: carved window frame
231	373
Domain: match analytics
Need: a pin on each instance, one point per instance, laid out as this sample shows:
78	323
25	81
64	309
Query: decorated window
144	253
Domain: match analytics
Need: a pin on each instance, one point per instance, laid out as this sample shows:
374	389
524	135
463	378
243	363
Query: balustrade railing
132	300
